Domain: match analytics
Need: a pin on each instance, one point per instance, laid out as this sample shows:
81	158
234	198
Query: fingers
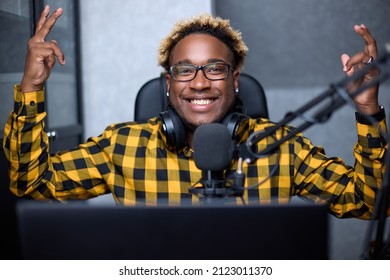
43	49
367	100
57	52
369	41
41	55
44	26
43	18
344	60
360	59
45	23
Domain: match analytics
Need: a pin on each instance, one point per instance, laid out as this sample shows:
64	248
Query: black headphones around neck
175	131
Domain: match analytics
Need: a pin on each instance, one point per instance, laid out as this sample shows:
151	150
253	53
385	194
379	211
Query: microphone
213	153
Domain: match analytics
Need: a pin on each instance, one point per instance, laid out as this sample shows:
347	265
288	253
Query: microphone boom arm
338	96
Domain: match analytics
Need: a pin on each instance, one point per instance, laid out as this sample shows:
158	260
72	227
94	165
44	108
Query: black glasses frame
197	68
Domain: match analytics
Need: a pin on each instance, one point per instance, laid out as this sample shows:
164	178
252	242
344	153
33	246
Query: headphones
175	132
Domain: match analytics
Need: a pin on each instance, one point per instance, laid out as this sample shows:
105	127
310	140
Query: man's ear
168	81
236	74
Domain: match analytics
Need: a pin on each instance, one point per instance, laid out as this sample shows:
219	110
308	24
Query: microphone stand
214	191
337	96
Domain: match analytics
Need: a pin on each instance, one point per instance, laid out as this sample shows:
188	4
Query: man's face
201	100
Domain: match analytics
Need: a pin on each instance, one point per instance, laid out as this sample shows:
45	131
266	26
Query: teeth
201	101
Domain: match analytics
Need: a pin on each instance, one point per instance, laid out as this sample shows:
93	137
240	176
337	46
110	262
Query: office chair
151	98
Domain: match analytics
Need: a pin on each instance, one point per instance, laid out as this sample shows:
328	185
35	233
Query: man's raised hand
41	55
367	101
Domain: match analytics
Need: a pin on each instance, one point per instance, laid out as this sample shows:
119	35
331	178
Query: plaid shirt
132	162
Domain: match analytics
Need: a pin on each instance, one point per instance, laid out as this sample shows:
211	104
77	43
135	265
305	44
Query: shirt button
32	103
369	136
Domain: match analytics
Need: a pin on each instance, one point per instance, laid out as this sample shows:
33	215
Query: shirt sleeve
33	172
350	191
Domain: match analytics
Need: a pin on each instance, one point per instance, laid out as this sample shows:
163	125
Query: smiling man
201	94
148	165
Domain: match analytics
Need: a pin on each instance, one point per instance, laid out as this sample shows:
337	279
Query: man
141	164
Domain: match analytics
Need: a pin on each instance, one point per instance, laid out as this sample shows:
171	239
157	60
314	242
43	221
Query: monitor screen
84	231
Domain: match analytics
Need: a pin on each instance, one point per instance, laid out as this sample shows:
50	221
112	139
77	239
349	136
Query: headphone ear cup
173	129
233	121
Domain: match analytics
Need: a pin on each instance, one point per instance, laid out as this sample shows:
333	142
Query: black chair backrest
152	99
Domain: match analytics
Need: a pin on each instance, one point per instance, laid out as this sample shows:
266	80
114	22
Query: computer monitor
81	231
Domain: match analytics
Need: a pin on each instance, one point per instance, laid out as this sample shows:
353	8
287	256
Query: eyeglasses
212	71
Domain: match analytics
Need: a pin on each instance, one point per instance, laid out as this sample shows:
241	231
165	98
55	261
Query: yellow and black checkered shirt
133	162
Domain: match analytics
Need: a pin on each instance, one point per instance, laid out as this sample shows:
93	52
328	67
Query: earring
167	93
236	90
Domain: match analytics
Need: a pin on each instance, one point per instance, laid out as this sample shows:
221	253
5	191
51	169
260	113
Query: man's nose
200	81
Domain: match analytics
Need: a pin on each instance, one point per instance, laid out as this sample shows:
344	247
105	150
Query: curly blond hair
204	24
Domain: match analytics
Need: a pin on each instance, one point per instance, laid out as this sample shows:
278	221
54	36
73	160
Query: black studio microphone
213	153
